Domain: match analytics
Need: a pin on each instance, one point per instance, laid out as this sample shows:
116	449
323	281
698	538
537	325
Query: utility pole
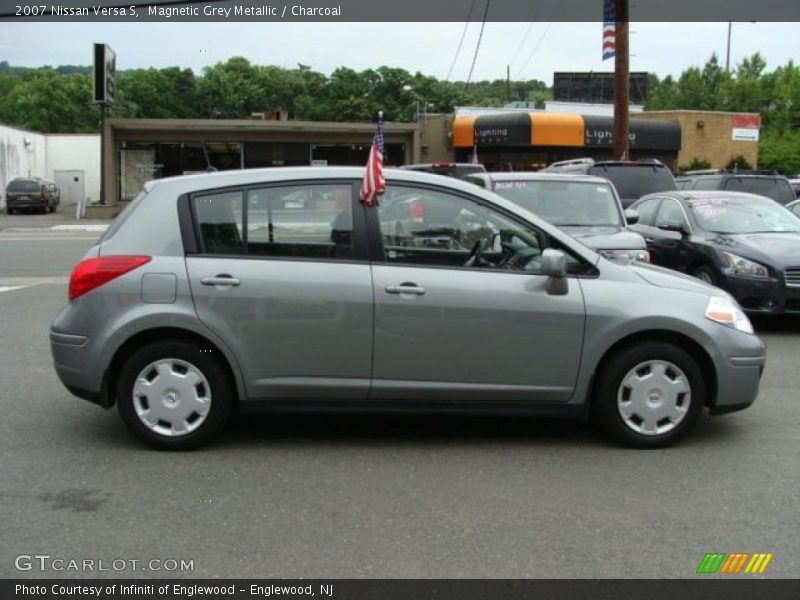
728	50
621	81
508	83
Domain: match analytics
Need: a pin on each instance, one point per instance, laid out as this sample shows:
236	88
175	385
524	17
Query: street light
409	88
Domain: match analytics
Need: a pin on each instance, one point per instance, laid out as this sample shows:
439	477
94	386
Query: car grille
792	275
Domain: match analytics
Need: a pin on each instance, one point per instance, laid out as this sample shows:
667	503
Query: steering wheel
475	254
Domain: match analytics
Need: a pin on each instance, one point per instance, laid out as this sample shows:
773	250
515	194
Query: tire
188	398
649	395
707	274
9	210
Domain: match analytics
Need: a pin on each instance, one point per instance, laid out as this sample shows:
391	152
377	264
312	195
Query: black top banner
394	11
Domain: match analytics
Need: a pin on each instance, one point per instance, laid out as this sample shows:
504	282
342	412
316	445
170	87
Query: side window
432	228
670	211
647	211
309	221
219	221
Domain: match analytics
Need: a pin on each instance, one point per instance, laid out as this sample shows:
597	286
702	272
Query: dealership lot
358	496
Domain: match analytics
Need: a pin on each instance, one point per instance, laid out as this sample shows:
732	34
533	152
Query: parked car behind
745	244
31	194
456	170
764	183
795	183
585	207
200	298
631	178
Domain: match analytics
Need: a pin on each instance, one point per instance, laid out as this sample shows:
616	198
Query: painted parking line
11	288
13	283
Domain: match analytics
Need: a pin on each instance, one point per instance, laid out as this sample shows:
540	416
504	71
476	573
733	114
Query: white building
72	161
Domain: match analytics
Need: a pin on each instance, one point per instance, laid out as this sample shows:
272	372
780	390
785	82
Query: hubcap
654	397
171	397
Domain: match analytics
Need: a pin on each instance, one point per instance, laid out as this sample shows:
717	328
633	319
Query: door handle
223	279
406	288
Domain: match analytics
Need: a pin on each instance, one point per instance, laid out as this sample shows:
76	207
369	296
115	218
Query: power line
541	39
463	33
478	45
527	33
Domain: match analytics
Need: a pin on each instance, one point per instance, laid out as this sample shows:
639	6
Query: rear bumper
71	358
28	203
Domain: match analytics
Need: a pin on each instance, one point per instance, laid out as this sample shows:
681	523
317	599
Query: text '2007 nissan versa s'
278	289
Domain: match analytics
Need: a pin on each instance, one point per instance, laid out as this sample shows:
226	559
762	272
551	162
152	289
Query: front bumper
764	296
738	379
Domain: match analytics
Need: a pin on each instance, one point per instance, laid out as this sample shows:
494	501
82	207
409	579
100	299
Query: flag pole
621	82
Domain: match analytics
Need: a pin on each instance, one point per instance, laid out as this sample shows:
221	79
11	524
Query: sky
430	48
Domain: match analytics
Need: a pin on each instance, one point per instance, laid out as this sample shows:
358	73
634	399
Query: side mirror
676	226
554	265
631	216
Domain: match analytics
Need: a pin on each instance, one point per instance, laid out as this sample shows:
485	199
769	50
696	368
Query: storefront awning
565	130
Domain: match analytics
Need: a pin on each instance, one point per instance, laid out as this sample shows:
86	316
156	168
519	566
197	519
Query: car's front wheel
649	394
174	395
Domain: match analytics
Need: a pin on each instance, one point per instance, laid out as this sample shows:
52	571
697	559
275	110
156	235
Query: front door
461	312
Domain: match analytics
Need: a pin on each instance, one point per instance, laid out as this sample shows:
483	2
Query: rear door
280	273
469	319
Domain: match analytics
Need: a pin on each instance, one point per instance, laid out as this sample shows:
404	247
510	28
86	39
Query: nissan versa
278	289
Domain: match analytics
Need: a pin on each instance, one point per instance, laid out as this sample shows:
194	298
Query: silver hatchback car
277	289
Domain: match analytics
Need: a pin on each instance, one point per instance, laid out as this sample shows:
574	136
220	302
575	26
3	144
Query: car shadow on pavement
782	325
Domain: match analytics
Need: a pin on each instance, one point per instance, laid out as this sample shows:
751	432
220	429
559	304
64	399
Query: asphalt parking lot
375	497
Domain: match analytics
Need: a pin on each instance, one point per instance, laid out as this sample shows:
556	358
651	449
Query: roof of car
700	194
537	176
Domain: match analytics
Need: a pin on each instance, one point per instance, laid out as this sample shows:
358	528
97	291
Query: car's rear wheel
174	395
650	394
707	274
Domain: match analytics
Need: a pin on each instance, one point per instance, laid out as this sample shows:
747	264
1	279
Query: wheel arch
686	343
147	336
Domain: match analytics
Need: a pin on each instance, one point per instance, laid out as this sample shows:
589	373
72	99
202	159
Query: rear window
777	189
23	185
635	181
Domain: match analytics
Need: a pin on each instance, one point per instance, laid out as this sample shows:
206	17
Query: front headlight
626	257
741	267
727	312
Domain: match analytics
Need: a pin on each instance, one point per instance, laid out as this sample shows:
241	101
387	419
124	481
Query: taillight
417	211
94	272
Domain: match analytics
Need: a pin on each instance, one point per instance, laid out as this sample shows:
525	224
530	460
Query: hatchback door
280	274
470	319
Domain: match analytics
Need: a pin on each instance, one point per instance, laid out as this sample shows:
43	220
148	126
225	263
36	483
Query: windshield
735	215
23	185
635	181
564	202
777	189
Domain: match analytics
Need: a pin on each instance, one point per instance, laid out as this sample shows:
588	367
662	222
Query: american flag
373	182
609	29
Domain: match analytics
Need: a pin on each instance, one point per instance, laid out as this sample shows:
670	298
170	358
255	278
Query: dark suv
632	178
764	183
26	193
